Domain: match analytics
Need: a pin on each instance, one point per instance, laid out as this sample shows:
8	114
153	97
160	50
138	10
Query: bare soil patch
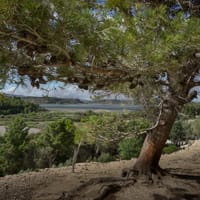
57	183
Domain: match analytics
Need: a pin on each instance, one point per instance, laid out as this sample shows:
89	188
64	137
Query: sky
57	89
61	90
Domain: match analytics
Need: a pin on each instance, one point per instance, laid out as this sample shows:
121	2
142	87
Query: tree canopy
99	45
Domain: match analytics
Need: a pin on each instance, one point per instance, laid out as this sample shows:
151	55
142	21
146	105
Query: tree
130	147
144	49
108	129
195	126
178	133
14	146
56	145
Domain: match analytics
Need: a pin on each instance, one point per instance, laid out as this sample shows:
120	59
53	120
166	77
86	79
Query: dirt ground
50	184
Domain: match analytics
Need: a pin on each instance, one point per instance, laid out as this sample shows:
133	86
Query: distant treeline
52	100
57	100
14	105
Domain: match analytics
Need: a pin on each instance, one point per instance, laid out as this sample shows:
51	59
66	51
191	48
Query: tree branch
194	84
63	51
192	95
18	38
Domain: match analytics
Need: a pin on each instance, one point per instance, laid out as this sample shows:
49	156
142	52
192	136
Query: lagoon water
92	106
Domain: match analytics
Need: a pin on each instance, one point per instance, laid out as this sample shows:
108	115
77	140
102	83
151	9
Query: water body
93	106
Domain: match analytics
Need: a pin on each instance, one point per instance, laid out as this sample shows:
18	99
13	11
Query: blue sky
57	89
61	90
51	89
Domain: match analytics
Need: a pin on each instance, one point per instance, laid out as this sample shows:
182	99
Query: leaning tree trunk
148	160
75	156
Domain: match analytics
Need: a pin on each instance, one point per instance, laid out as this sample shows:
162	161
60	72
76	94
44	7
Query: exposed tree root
98	189
107	188
147	175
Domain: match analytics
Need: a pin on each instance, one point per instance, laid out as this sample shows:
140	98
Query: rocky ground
55	183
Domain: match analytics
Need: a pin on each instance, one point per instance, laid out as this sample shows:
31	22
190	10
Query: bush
195	126
12	147
14	105
44	156
68	162
180	132
130	147
105	157
20	151
192	109
55	145
170	149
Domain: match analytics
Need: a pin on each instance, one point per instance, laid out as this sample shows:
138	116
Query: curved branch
194	84
18	38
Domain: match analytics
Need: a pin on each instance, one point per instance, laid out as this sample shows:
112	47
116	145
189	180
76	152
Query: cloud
51	89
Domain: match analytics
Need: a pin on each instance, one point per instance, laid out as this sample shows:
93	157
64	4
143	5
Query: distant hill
55	100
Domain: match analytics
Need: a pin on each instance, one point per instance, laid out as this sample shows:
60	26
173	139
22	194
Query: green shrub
60	165
12	147
170	149
14	105
55	145
180	132
195	126
68	162
130	147
192	109
105	157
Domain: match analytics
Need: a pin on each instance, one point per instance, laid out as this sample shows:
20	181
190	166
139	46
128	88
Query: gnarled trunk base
148	161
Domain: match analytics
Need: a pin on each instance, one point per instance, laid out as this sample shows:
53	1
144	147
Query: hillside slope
50	184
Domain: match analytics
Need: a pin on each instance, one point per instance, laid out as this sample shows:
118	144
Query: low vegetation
100	137
15	105
170	149
130	147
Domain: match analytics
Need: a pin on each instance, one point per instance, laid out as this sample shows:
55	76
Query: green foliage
44	156
56	144
192	109
16	132
195	126
20	151
180	132
76	41
106	130
145	41
14	105
13	147
105	157
68	162
111	125
170	149
130	147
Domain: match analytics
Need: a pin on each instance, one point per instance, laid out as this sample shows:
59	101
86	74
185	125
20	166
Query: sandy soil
50	184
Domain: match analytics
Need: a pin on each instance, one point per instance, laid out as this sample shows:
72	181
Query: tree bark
75	156
148	160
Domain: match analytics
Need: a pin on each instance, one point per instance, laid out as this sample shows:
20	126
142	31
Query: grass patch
170	149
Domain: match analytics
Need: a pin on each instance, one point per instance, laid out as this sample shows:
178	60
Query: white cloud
51	89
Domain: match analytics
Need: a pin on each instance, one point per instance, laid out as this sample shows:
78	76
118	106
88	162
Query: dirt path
49	184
